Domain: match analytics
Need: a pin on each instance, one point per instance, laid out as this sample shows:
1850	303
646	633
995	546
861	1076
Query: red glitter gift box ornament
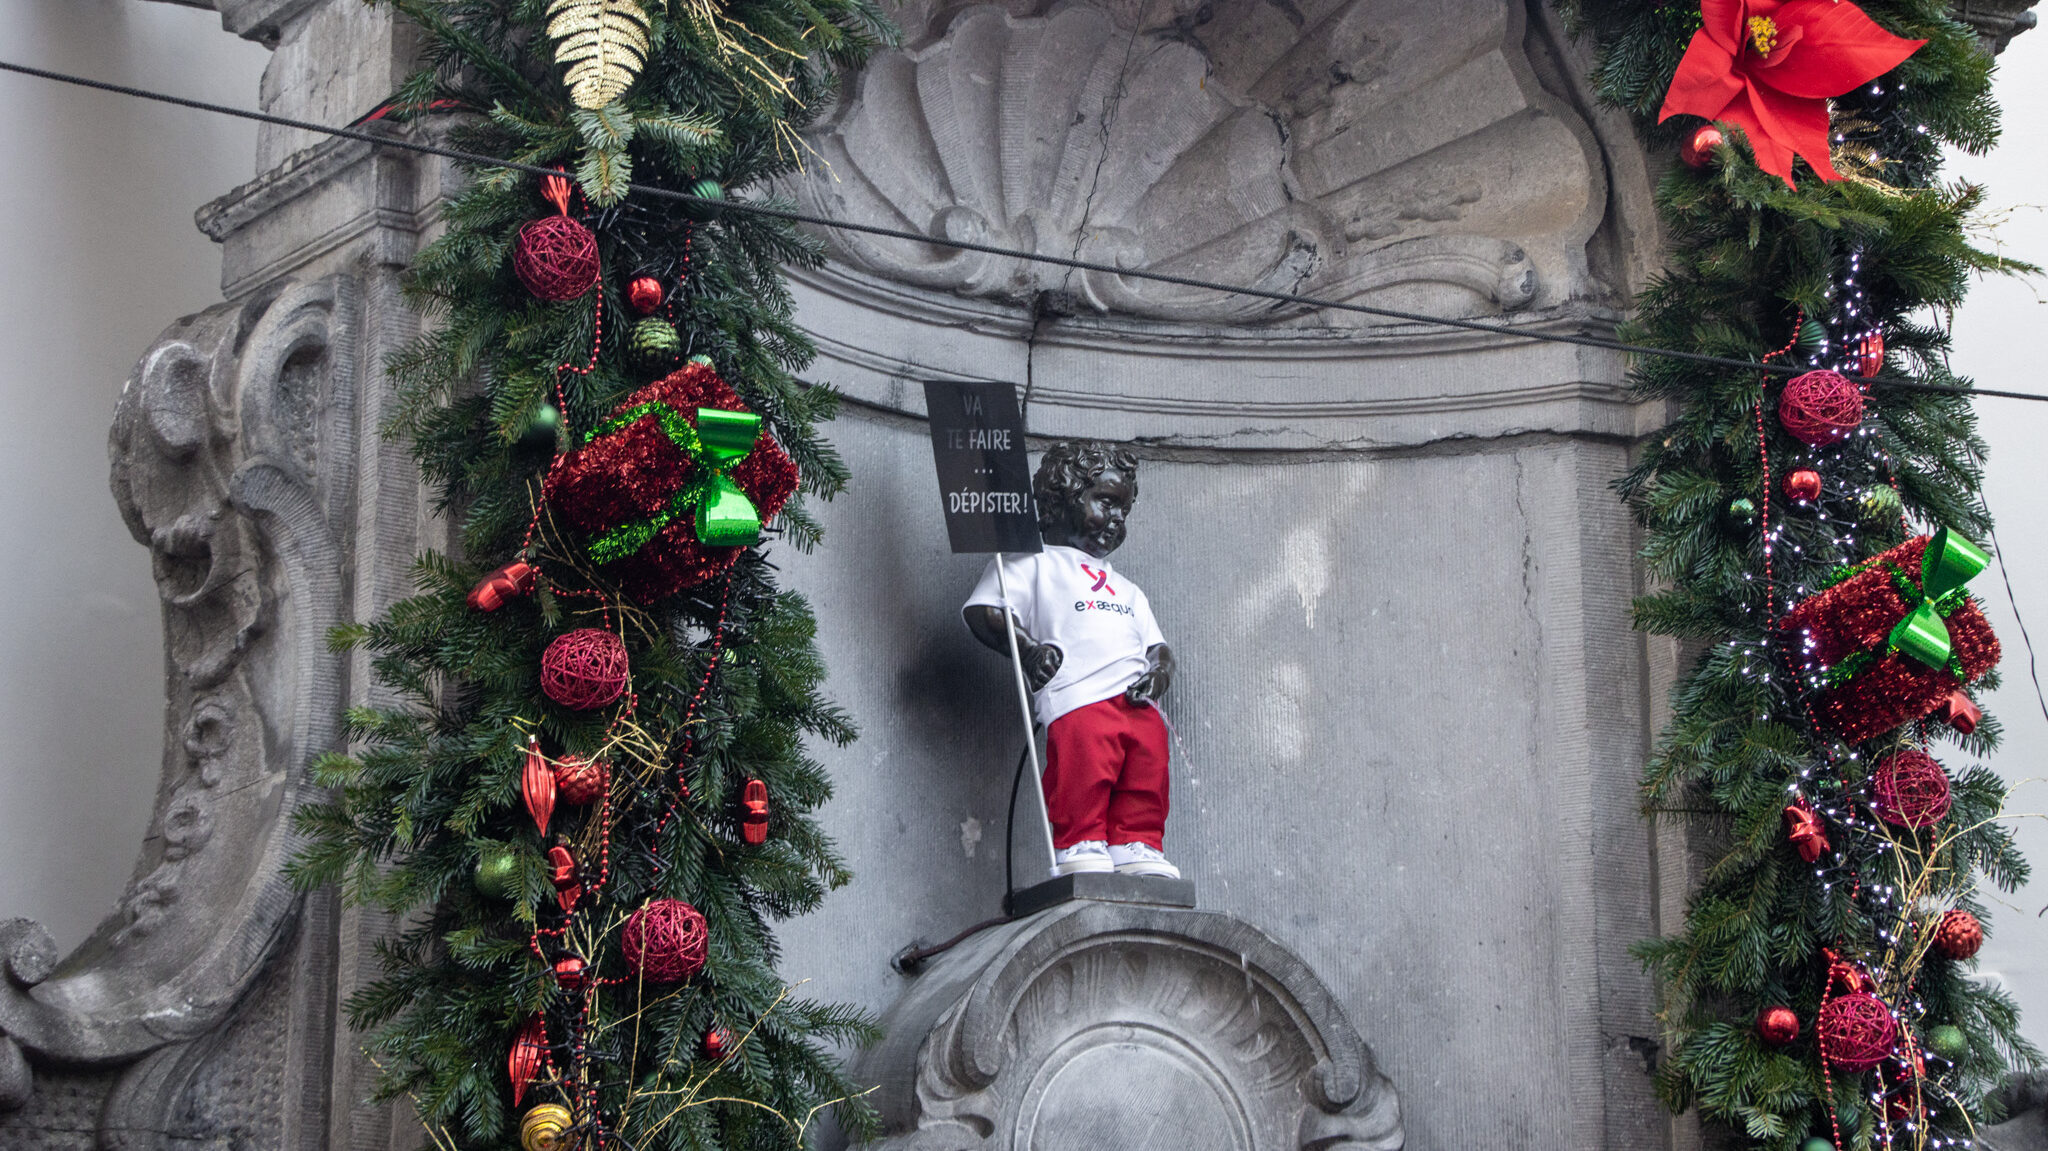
658	488
1893	637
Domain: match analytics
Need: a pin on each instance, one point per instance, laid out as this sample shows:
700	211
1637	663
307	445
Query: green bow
1949	562
725	516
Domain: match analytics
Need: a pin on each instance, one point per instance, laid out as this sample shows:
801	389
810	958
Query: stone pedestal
1116	1025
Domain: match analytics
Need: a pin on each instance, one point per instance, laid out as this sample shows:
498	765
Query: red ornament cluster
665	941
584	669
1857	615
1856	1031
1959	935
1909	789
1820	407
631	474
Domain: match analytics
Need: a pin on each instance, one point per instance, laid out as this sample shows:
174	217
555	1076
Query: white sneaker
1088	855
1138	859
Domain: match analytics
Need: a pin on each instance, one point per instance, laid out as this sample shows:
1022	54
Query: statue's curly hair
1070	468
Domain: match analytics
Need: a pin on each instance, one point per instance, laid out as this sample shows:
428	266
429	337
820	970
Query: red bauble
1959	935
579	780
1856	1031
1857	615
556	258
717	1042
754	827
1804	831
630	475
1909	789
1870	354
570	972
584	669
644	293
1777	1025
1958	711
665	941
1803	485
491	592
537	785
529	1050
1820	407
1698	149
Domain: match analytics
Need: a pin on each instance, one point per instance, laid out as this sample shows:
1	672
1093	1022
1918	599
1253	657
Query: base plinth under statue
1134	1026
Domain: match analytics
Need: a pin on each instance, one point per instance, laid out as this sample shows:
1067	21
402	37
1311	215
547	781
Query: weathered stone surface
1140	1028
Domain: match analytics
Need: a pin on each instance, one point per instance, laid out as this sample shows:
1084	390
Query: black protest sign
984	475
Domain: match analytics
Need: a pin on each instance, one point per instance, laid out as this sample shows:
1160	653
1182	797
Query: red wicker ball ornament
665	941
1803	485
1959	935
584	669
1910	789
579	780
1699	148
1777	1025
644	293
556	258
1856	1031
1820	407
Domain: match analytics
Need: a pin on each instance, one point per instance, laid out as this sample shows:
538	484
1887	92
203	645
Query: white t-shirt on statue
1101	623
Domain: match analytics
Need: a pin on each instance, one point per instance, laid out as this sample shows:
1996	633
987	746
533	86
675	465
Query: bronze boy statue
1096	663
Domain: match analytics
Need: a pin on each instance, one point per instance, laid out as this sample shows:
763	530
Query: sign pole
1024	702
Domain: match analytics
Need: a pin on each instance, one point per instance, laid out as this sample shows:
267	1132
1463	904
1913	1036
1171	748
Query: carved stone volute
230	451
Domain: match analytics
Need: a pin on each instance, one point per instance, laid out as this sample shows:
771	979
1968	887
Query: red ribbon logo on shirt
1101	579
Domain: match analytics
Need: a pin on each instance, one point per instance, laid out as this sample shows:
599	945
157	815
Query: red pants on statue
1105	774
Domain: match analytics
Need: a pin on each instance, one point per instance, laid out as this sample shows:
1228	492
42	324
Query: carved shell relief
1372	150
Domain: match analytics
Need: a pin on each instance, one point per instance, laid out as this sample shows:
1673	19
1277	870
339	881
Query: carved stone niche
1408	155
231	448
1131	1027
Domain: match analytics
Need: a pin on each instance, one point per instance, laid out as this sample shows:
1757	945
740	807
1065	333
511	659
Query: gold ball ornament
546	1128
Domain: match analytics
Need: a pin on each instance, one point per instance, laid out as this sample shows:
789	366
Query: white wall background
96	228
100	254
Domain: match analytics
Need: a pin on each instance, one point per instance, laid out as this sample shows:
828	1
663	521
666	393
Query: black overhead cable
385	139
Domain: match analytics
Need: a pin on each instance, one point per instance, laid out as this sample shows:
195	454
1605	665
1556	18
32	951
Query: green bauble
1879	503
544	428
655	341
1818	1143
497	874
1743	508
1948	1041
1812	334
704	190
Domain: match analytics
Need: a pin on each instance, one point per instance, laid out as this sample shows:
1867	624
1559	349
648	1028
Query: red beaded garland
1959	935
1802	484
1856	1031
1777	1025
665	941
580	780
1909	789
556	258
1820	407
1698	149
584	669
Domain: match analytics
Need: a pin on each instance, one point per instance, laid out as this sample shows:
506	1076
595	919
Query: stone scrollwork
1101	1024
230	450
1351	149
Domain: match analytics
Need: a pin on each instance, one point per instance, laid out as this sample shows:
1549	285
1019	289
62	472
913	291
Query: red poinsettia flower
1770	66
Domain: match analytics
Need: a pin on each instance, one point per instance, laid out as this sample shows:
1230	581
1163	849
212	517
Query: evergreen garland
725	676
1886	249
